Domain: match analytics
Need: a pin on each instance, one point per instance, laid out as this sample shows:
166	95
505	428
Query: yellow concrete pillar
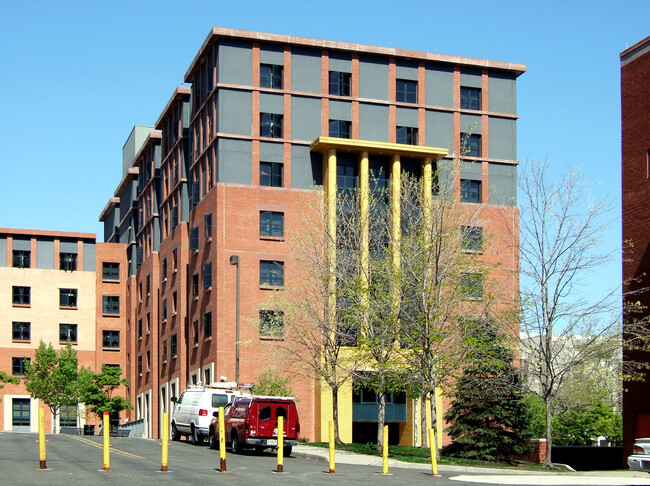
395	207
364	197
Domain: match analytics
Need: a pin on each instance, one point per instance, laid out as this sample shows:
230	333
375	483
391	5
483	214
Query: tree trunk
55	412
434	422
381	420
549	431
424	433
335	415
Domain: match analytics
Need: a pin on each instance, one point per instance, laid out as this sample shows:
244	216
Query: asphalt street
133	461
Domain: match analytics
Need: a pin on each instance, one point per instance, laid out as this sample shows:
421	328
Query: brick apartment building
211	192
635	109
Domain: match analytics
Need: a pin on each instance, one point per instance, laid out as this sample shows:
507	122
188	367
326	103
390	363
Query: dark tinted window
281	412
265	413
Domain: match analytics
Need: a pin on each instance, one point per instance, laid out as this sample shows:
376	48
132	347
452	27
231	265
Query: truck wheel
214	443
287	451
197	438
175	434
235	448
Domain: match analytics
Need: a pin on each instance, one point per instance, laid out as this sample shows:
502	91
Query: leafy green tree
97	391
488	415
52	377
270	382
7	379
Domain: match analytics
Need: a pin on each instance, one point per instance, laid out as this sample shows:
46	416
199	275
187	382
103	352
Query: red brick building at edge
635	111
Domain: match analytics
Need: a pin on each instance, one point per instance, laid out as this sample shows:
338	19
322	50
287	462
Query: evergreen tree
488	415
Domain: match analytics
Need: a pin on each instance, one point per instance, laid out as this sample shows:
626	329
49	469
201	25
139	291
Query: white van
193	410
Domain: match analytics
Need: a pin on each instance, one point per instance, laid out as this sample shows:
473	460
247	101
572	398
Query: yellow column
364	196
107	456
165	442
395	206
41	438
427	190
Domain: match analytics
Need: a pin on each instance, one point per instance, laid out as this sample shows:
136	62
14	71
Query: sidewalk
345	457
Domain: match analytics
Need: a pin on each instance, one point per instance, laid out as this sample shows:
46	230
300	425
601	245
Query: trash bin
89	430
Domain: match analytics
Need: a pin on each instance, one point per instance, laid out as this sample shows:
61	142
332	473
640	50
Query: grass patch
422	456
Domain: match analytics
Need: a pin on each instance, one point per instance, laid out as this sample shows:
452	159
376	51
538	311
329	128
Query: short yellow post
222	440
332	465
280	444
384	453
165	442
434	456
107	458
41	438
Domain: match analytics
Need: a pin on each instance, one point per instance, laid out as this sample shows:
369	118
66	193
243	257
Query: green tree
488	414
7	379
97	391
52	377
270	382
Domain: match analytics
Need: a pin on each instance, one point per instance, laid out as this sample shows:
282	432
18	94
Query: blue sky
76	77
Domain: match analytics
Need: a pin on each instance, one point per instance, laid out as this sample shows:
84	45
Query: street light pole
234	260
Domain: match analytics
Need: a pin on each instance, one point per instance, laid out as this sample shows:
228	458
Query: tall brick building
635	110
212	192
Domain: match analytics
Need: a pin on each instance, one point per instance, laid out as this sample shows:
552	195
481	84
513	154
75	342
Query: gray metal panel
305	70
271	103
340	62
234	160
185	199
340	110
235	62
373	77
234	112
68	246
373	122
440	128
470	78
503	184
133	143
89	257
305	118
406	70
503	138
471	170
470	124
302	169
271	152
45	254
407	117
3	251
272	54
439	89
22	243
503	92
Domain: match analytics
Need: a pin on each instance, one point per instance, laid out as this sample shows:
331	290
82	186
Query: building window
207	275
407	91
20	412
471	238
173	345
470	144
20	331
163	271
195	333
110	304
67	332
164	351
111	339
22	258
68	261
140	365
68	297
175	258
18	366
194	238
271	76
164	310
271	273
340	83
271	174
207	226
195	285
21	295
207	325
472	285
470	191
174	303
271	223
340	128
271	324
271	125
111	271
347	176
140	328
407	135
148	285
470	98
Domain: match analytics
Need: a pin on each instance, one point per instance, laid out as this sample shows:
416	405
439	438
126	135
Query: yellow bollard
385	451
165	442
222	440
280	444
434	457
332	466
41	438
107	458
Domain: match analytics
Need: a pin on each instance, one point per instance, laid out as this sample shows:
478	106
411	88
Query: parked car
193	410
253	422
640	458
